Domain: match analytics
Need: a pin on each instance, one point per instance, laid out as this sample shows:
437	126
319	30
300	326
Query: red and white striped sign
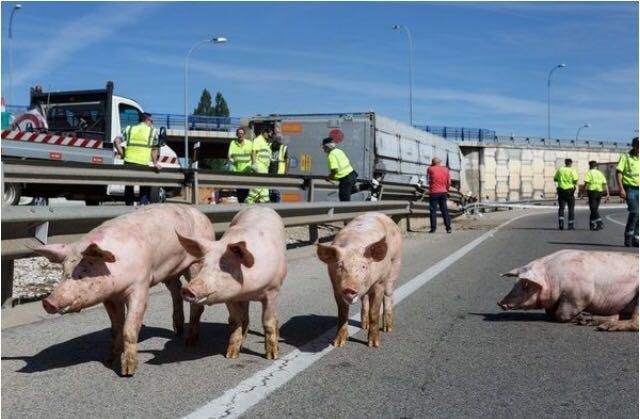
35	137
167	159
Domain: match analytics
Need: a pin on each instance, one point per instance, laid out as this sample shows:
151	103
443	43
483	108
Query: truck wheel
11	194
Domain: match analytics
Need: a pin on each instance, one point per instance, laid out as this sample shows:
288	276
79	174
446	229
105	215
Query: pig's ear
56	253
377	251
327	254
239	250
195	247
535	274
95	252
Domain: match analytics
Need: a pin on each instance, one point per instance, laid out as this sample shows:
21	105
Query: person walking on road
279	164
596	184
627	177
340	169
566	179
240	150
260	158
439	185
142	148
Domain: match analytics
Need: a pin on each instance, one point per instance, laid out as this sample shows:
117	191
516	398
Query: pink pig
247	264
117	262
364	263
569	282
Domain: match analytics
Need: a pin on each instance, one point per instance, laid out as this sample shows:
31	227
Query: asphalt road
452	352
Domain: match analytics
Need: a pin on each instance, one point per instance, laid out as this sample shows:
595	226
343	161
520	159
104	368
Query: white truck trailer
76	126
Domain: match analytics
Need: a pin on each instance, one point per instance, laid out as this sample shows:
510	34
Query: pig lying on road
247	264
568	282
117	262
363	263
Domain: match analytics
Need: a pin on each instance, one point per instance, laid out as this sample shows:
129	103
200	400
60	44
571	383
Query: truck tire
11	194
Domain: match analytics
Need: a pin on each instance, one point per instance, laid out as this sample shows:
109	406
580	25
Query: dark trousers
594	205
631	229
242	194
439	200
145	191
347	185
274	195
565	197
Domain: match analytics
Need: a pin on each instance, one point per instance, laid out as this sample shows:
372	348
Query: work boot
561	225
593	226
600	226
628	241
571	226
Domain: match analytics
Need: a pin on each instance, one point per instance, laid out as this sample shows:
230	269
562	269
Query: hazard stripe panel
35	137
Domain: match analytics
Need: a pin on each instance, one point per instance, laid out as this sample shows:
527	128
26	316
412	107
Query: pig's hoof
232	353
387	329
618	326
273	354
339	342
129	364
374	342
364	324
178	329
583	320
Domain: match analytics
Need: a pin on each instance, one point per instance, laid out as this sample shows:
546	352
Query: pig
567	283
248	263
363	263
117	262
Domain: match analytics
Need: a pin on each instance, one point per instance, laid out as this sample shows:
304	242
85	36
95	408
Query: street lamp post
216	40
15	9
578	133
549	98
395	28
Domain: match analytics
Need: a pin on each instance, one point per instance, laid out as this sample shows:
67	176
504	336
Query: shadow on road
513	316
536	228
87	348
586	244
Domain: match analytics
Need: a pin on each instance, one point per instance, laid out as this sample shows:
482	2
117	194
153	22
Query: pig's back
611	278
369	228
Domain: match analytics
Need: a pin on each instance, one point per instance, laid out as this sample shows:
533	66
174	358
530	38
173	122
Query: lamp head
587	125
218	40
17	6
395	27
561	65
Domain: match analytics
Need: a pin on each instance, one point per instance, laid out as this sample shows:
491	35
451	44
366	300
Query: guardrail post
311	189
7	282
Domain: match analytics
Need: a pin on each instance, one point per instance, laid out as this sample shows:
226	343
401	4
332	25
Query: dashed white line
234	402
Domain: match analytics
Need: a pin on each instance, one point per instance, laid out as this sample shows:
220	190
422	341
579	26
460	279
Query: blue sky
476	65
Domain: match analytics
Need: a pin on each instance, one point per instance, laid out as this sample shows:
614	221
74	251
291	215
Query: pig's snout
49	306
350	295
191	297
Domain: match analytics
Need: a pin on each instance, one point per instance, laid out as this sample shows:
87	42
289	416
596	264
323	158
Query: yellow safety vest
337	159
240	155
628	166
139	144
595	180
566	177
282	162
263	154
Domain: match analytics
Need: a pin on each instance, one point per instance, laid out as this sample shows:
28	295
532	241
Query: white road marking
616	221
234	402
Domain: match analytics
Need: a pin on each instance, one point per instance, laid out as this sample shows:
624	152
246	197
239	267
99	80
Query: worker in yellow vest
142	148
566	178
340	169
261	157
595	184
627	177
239	155
279	164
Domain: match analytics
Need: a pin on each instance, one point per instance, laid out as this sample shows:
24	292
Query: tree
221	108
204	106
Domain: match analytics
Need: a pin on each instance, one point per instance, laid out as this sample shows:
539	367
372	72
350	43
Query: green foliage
204	106
221	108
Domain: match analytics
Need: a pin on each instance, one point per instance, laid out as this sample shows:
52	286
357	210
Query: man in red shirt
439	184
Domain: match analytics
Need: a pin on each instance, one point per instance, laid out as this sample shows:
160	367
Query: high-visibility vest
139	143
263	154
566	178
338	160
240	155
282	162
628	166
595	180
